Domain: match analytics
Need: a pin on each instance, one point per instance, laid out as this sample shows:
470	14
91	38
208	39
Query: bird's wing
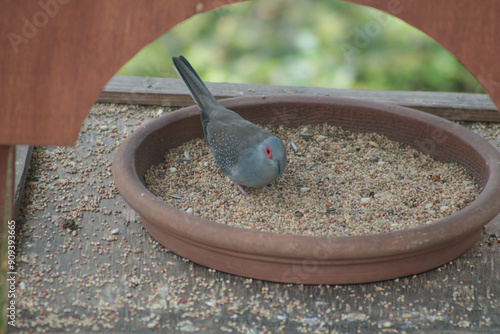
229	138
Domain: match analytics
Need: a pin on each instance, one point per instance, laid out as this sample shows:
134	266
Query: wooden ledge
172	92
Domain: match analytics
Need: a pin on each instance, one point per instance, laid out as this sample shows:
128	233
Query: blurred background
319	43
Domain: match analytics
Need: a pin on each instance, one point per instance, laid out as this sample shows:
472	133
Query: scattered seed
365	200
210	299
320	138
69	224
313	166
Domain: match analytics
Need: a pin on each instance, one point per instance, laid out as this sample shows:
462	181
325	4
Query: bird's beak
281	165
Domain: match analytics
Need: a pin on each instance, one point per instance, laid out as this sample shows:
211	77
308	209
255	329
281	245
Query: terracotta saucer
313	260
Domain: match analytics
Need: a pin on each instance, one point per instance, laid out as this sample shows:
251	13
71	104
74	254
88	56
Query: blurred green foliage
321	43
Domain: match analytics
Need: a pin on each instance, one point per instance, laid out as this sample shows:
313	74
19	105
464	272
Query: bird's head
275	153
261	164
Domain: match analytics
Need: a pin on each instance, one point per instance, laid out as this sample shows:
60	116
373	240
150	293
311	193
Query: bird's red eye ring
269	153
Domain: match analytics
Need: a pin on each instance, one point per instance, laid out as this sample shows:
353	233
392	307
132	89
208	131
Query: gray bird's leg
240	187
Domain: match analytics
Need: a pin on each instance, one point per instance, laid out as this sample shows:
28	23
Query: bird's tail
200	93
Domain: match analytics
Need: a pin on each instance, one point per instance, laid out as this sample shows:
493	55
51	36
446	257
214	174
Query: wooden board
94	280
173	92
7	159
23	158
56	56
462	27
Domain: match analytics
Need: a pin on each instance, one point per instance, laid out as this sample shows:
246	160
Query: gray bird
247	154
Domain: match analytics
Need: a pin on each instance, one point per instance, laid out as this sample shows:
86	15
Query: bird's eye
269	153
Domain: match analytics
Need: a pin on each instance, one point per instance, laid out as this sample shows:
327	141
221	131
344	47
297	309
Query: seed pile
337	183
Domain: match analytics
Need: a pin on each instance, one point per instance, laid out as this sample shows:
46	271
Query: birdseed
133	283
337	183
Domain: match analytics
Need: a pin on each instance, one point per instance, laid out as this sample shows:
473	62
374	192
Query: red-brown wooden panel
57	55
468	29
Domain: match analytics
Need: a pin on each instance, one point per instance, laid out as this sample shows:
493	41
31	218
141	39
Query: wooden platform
105	273
171	92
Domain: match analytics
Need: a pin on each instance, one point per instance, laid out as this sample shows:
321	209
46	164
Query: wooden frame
173	92
57	55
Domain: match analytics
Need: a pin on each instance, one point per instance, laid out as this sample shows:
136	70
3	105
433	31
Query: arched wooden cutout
468	29
57	55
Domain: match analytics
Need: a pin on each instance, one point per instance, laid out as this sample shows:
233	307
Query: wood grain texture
468	29
57	55
173	92
92	280
23	157
7	174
